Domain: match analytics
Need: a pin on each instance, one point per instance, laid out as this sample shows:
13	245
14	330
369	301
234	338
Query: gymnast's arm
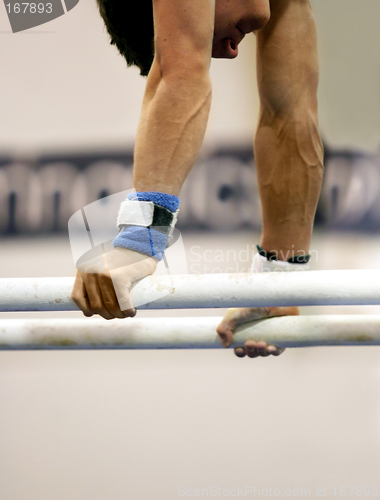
178	95
288	148
172	125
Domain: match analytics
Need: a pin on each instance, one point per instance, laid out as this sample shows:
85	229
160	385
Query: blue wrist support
147	240
168	201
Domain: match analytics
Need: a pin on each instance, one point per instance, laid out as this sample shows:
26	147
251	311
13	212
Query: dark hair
130	26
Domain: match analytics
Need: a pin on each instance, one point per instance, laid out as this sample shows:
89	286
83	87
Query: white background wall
63	86
349	51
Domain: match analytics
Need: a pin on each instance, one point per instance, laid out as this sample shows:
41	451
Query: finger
262	349
95	296
238	316
129	313
240	352
275	351
227	326
272	349
109	297
250	349
226	336
225	333
79	295
122	285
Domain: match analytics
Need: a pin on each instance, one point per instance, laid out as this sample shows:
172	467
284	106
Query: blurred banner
40	195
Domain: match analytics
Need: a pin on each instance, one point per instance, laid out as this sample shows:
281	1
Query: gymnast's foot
239	316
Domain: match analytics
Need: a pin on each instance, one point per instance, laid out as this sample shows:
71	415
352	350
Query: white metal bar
353	287
180	333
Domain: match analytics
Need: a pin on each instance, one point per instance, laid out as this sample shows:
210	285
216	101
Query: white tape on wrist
173	223
262	265
135	213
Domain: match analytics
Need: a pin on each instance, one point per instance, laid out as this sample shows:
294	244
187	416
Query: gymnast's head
130	26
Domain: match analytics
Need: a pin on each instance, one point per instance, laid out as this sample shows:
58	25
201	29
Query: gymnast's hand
239	316
103	283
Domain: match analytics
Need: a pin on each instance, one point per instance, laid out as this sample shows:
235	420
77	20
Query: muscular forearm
171	129
289	159
288	149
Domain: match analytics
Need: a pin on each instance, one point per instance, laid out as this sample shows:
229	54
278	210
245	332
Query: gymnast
172	42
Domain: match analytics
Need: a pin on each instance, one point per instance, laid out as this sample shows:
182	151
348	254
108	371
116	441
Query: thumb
122	287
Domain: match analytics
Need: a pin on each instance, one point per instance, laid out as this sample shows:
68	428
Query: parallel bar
186	333
353	287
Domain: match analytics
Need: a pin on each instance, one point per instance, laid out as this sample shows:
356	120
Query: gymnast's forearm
289	162
288	148
171	129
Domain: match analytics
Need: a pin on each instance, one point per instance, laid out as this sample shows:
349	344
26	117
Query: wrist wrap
267	262
146	222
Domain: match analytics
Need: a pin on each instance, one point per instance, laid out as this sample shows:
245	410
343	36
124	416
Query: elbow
194	66
191	74
195	79
186	56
